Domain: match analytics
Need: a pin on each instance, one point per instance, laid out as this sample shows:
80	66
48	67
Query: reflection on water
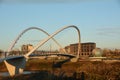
7	74
4	74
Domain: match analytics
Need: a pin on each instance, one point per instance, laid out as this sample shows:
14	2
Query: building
85	48
26	48
67	49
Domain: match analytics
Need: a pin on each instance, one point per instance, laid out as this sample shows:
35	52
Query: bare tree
1	52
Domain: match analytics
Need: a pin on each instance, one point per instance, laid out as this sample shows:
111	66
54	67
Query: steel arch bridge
15	65
26	30
51	36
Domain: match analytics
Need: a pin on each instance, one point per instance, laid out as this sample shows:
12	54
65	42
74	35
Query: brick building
85	50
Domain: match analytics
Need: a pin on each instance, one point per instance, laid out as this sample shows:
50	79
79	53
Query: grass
69	71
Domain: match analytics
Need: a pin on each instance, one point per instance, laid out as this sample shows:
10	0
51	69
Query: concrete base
15	65
74	59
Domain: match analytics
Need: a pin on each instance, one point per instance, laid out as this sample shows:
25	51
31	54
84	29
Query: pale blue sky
98	21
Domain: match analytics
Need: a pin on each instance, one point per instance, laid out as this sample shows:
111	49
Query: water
5	74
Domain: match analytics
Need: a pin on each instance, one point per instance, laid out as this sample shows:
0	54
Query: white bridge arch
15	65
51	36
24	31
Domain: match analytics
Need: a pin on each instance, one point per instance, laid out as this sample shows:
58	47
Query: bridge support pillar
74	59
15	66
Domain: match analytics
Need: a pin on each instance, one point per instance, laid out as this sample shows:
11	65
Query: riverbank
90	70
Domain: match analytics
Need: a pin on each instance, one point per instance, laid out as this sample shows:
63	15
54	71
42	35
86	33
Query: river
5	74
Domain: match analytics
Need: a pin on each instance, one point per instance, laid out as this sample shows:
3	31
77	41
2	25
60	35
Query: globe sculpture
97	52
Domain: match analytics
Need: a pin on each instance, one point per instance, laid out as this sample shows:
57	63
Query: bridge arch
24	31
16	65
52	35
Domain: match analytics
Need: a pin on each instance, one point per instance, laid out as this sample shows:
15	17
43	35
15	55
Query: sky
98	20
